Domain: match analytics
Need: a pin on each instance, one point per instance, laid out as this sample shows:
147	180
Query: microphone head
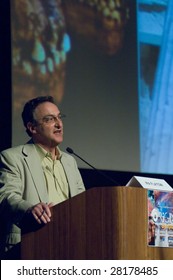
69	150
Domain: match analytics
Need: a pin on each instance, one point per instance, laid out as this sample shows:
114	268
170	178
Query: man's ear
31	127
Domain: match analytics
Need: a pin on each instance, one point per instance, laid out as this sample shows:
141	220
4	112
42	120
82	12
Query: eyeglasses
50	119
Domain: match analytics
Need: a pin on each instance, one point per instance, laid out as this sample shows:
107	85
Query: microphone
70	151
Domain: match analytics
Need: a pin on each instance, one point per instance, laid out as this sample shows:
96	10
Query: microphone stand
70	151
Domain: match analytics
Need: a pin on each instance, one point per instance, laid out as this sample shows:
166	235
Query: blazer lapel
69	175
32	160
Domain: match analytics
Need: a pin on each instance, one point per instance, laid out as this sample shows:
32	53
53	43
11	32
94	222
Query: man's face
48	130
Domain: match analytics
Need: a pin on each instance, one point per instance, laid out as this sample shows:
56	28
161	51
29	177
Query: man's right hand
41	212
36	217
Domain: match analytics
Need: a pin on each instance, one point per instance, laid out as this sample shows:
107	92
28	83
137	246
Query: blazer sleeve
12	205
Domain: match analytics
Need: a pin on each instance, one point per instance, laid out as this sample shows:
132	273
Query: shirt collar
43	153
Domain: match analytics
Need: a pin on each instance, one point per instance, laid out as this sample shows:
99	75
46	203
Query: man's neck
52	150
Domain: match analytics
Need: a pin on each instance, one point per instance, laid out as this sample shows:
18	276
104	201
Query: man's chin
58	140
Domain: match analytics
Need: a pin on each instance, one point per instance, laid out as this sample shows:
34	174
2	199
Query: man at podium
35	176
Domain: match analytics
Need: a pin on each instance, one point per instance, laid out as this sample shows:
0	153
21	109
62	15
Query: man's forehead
47	107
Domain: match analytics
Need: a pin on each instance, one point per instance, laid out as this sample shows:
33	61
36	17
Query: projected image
83	53
155	33
99	23
40	44
39	51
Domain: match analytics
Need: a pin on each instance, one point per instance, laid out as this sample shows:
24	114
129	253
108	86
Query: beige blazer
22	185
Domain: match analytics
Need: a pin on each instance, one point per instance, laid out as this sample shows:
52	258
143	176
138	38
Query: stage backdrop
99	60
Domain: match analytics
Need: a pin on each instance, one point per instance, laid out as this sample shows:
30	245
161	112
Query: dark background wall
93	178
5	75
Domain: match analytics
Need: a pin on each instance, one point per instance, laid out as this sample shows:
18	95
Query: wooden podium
102	223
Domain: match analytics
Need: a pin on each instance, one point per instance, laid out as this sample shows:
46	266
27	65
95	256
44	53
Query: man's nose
58	122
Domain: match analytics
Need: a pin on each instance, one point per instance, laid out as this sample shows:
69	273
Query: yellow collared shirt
56	181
